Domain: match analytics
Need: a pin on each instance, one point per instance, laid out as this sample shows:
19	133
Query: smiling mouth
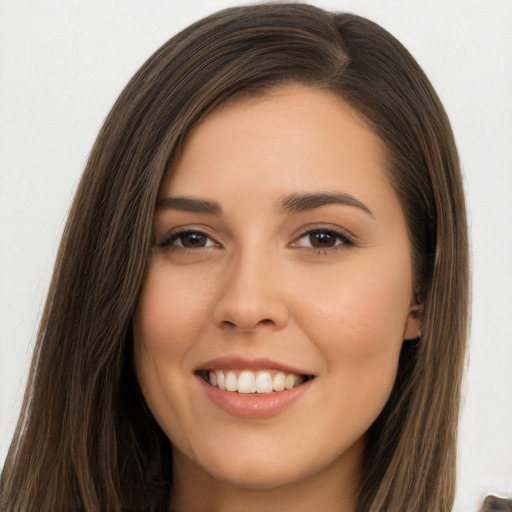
253	382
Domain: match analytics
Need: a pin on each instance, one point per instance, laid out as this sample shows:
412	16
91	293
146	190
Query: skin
259	288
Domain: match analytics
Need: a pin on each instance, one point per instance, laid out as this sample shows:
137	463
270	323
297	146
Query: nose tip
251	298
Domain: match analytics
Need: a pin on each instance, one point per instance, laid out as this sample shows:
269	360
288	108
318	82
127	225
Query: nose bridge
251	295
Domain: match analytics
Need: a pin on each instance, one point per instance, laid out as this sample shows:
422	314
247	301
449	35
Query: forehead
288	140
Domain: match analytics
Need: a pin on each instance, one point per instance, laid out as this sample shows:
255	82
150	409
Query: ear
414	322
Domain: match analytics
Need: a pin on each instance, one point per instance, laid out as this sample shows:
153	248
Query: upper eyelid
188	228
346	241
174	233
318	227
294	237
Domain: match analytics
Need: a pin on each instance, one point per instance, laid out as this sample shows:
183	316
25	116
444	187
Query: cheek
170	318
356	319
361	312
170	314
163	333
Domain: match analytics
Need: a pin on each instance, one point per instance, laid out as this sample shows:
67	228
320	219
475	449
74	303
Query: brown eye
188	240
193	240
323	239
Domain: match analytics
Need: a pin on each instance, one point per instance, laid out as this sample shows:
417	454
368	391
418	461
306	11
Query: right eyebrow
189	204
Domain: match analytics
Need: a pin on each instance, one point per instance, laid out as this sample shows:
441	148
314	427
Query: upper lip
242	363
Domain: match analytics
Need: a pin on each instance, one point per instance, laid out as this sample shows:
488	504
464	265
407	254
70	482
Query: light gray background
62	65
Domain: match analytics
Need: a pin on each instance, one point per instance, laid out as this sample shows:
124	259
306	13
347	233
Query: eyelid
347	239
167	240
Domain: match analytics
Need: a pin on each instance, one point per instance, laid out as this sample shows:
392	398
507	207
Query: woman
261	295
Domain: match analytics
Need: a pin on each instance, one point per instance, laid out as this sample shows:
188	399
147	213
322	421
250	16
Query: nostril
229	324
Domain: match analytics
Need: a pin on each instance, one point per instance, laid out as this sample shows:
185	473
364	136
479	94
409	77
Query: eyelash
342	242
169	241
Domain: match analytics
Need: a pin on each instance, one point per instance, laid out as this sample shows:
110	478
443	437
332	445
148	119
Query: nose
252	295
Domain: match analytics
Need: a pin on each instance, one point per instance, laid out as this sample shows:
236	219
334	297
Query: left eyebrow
302	202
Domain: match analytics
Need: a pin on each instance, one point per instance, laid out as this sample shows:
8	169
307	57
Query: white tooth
246	382
289	381
213	379
264	382
231	381
221	381
278	381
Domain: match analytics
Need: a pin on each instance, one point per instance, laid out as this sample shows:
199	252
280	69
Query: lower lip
254	406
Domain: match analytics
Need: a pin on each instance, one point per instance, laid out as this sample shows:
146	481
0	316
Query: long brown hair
85	440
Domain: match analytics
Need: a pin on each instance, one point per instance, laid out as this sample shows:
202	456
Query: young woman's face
281	259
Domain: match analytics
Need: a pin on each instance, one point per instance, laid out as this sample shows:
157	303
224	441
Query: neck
333	489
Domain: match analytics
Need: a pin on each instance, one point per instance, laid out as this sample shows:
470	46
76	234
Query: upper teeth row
250	382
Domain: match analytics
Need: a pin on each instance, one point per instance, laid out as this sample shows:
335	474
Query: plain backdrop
62	65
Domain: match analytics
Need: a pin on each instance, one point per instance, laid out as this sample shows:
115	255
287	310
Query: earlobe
414	322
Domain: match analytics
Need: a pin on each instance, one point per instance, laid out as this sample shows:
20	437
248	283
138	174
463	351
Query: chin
256	477
263	472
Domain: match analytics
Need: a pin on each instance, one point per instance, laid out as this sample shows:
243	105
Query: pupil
193	240
322	240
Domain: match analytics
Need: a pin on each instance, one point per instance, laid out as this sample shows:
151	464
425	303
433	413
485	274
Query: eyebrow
292	203
190	204
302	202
